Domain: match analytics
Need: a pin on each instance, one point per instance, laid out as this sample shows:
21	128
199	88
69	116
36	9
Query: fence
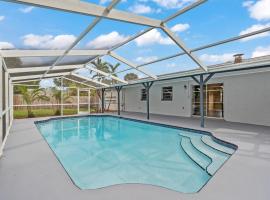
81	103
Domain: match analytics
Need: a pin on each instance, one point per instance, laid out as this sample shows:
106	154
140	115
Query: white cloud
107	40
27	9
259	10
253	28
6	45
247	3
145	59
180	27
261	51
217	58
48	41
172	4
141	9
2	18
153	37
171	65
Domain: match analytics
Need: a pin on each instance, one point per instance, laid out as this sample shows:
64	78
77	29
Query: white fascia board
89	79
86	8
181	44
105	74
44	68
129	63
50	53
38	76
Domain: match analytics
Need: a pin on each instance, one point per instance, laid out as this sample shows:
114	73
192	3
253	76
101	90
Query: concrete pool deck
29	169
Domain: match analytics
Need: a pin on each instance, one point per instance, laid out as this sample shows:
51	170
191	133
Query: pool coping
228	144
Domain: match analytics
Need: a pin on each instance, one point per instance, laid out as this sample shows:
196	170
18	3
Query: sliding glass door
213	100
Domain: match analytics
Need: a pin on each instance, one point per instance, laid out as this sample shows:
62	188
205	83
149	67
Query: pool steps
202	160
210	142
208	154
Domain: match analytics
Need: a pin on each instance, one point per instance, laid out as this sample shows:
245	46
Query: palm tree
56	93
30	96
102	66
108	68
130	76
112	69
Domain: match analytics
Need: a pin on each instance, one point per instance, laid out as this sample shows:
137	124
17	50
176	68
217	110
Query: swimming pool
100	151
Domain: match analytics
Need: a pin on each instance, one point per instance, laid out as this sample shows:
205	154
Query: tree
32	95
112	70
56	93
130	76
102	66
108	68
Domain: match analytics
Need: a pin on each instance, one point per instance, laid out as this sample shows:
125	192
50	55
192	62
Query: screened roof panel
154	9
213	21
75	60
132	71
16	62
180	63
28	27
108	33
150	46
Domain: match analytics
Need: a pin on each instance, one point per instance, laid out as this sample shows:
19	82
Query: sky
27	27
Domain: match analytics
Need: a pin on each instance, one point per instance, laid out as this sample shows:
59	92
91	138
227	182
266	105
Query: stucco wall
246	98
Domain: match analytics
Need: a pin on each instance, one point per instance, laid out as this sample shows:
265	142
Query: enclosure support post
62	97
118	89
1	108
89	100
202	82
102	99
78	101
147	87
202	100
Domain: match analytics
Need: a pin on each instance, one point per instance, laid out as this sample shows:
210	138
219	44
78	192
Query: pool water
102	151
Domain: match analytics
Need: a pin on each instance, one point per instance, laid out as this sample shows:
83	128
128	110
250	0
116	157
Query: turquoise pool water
102	151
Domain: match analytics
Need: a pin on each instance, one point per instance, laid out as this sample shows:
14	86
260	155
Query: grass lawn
20	114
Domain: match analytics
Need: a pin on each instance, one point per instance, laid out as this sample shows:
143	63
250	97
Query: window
213	100
143	95
167	93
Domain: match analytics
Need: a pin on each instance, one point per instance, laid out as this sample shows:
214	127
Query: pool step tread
218	158
210	142
194	154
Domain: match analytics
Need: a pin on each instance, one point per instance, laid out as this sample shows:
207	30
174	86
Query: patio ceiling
56	63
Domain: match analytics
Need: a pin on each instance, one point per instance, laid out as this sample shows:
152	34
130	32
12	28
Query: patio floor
29	170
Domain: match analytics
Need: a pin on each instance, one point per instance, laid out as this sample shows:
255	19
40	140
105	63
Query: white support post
11	100
62	97
6	100
78	101
1	107
89	101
